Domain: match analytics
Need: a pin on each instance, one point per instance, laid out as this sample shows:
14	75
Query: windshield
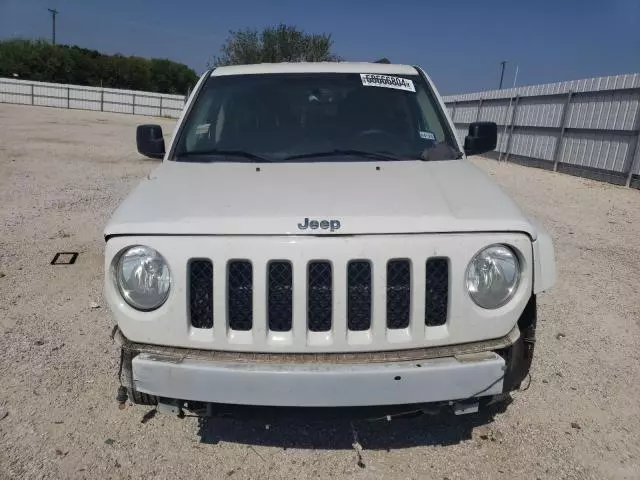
315	117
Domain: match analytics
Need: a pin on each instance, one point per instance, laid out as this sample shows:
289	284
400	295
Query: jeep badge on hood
331	225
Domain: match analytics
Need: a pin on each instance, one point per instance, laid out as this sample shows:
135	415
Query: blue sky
459	43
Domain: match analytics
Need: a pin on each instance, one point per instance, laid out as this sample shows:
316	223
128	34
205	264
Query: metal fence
589	127
27	92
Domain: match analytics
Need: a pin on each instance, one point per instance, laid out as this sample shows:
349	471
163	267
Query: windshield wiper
226	153
339	152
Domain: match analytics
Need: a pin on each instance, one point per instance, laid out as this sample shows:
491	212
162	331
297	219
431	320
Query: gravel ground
62	173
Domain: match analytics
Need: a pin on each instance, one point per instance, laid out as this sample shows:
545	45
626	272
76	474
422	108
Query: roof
316	67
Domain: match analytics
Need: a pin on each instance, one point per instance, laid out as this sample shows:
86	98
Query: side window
430	116
199	125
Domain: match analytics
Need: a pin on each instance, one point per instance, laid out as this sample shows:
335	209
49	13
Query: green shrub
41	61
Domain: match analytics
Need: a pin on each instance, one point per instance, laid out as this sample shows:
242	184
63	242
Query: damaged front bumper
320	385
458	373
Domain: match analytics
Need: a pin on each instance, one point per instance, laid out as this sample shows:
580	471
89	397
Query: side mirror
482	138
150	140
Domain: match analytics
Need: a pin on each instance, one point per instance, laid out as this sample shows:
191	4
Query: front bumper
320	385
451	373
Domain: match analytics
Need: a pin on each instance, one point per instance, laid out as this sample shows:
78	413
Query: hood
281	198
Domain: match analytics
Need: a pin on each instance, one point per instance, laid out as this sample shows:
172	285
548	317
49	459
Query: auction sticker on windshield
387	81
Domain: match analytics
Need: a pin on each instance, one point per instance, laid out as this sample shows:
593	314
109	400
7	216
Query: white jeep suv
315	237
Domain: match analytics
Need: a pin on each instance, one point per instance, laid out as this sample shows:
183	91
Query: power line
54	12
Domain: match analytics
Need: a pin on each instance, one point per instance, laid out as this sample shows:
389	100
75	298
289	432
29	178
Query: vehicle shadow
340	433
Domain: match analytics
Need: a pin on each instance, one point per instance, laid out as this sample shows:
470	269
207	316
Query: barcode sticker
387	81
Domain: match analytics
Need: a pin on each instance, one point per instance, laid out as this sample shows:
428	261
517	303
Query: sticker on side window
427	135
202	129
387	81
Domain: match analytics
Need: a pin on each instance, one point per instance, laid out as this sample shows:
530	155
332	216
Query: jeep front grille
356	308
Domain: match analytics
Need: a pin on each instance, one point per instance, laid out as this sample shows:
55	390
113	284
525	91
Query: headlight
143	277
493	276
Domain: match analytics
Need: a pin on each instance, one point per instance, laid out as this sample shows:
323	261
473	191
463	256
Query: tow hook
174	407
465	407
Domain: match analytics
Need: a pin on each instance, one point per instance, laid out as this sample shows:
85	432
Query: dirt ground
62	173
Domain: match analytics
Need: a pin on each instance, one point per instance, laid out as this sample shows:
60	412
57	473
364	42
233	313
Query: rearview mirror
482	138
150	140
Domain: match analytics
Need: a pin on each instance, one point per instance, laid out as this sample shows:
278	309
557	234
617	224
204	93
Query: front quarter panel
544	260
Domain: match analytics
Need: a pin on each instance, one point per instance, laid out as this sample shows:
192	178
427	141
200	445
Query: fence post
478	111
635	155
513	121
563	127
505	124
134	103
161	106
102	100
68	97
32	95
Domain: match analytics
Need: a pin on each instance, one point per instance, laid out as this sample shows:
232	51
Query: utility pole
503	63
54	12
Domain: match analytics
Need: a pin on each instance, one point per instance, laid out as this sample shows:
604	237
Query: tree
41	61
383	60
284	43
